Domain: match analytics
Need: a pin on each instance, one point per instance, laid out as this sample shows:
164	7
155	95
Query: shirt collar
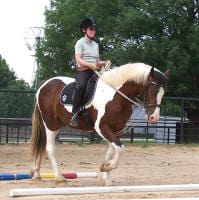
87	41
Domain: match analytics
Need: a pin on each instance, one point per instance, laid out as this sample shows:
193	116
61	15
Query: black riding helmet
87	22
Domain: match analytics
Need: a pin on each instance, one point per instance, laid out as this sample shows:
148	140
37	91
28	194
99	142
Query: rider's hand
103	63
108	62
93	66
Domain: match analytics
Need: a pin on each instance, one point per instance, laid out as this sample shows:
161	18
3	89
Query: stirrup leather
74	120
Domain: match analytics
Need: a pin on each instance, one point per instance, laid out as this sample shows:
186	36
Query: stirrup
74	120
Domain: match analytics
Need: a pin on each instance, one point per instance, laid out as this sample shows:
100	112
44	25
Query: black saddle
66	95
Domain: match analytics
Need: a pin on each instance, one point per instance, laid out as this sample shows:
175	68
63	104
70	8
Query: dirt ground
139	165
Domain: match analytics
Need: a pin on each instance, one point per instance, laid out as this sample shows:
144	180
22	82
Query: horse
108	110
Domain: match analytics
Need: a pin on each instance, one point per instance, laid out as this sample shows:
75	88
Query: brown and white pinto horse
108	110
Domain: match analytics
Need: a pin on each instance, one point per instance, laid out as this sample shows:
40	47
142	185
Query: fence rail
164	132
175	126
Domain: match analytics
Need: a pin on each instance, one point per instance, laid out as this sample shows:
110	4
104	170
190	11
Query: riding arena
91	171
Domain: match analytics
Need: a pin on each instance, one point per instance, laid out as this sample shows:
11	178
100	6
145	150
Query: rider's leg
82	78
76	105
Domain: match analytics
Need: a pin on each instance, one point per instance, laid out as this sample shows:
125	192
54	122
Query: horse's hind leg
35	172
50	147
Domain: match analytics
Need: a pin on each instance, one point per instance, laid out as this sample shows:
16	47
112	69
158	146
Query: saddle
67	92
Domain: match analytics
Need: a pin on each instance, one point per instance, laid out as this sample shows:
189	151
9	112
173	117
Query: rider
87	58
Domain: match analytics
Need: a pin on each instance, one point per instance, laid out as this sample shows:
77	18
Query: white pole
188	198
92	190
87	174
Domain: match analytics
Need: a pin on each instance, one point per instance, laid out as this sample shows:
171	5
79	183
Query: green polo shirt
89	51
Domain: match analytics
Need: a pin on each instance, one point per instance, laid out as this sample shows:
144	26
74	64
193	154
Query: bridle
140	102
137	101
145	94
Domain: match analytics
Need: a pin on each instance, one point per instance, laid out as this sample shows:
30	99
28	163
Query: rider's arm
82	62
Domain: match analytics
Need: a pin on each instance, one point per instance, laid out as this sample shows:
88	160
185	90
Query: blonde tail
38	137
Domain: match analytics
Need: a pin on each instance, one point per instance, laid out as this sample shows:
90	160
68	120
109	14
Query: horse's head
153	93
148	82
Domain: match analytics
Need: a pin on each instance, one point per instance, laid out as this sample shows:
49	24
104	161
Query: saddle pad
67	92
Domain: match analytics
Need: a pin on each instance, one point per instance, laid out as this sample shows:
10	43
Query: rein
106	68
121	93
138	101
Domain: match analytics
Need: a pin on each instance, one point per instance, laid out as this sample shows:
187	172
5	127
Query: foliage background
14	104
162	33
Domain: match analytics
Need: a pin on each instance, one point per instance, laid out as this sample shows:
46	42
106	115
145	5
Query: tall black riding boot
74	119
75	110
81	81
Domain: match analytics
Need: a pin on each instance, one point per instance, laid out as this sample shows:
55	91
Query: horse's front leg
109	155
50	147
111	161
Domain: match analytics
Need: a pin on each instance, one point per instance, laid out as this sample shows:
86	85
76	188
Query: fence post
168	135
182	122
7	130
17	134
0	134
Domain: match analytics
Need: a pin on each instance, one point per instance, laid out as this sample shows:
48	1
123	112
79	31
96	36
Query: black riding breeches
82	78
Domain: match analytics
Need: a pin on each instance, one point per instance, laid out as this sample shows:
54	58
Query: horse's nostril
151	118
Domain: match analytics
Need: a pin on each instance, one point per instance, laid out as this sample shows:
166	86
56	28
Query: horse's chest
104	94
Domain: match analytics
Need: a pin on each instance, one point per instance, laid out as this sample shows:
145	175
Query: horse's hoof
105	167
108	182
35	175
31	172
36	178
61	179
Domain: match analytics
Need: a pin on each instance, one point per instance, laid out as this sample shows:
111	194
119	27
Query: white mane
137	72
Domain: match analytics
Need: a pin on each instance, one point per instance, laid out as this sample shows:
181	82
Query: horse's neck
132	89
126	73
114	79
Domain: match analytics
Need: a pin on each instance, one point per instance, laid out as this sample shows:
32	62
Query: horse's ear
167	72
152	71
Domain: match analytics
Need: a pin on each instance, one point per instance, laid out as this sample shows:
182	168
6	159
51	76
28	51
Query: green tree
161	33
12	103
56	51
6	76
16	102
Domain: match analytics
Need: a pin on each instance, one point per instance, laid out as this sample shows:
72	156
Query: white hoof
109	182
35	175
61	179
